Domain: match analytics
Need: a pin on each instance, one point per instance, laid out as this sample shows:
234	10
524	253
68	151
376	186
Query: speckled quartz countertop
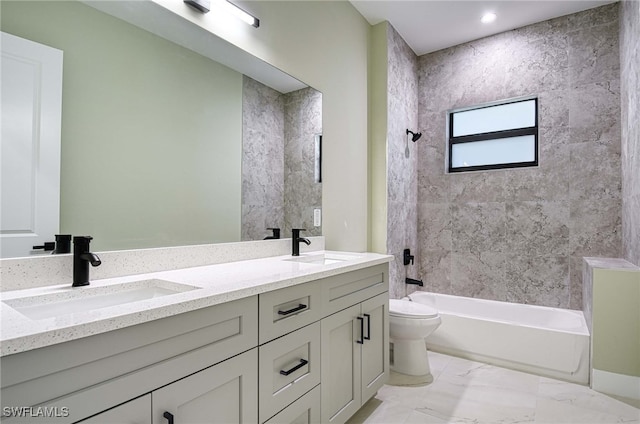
205	285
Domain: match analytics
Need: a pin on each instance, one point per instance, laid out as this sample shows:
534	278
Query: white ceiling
430	25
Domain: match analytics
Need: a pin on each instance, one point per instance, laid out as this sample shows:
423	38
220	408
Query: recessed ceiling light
488	18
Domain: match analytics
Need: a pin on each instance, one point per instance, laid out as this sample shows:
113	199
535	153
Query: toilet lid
409	309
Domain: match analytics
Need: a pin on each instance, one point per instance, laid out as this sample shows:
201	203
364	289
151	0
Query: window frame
493	135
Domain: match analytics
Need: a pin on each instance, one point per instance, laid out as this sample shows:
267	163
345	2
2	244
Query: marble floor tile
438	363
550	411
466	391
561	402
458	402
417	417
378	412
479	375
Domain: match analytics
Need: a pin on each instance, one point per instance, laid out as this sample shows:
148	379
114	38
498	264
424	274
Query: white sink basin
87	299
323	258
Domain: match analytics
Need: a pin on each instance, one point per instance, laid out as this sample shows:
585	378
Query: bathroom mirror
162	146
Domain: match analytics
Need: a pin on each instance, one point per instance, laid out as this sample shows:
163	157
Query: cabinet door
224	393
375	350
137	411
340	365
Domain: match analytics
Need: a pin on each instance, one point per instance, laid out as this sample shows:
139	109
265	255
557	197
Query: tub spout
412	281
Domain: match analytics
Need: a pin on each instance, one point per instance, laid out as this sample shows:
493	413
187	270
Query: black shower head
414	136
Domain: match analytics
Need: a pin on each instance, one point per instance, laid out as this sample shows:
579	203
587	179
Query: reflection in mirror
153	135
279	189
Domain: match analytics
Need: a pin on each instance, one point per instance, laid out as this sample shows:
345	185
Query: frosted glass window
494	137
495	118
497	151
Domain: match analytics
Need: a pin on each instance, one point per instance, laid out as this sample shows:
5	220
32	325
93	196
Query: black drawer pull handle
361	341
302	363
368	337
168	416
296	309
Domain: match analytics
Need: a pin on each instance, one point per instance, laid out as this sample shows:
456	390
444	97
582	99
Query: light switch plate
317	217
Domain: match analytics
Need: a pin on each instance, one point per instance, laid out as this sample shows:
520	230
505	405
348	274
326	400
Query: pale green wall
616	321
151	132
378	138
324	44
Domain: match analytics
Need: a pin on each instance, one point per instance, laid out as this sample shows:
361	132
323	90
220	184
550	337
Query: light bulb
488	18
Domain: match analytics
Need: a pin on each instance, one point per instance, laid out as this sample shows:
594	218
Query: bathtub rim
583	331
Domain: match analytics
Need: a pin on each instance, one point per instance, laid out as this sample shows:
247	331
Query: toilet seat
408	309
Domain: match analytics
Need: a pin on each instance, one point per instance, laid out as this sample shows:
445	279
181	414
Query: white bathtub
546	341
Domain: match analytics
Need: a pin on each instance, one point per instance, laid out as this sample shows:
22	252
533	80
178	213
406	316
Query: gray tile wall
402	188
520	235
302	121
278	153
630	96
263	123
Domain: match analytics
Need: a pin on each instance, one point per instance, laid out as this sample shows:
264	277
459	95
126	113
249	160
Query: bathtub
545	341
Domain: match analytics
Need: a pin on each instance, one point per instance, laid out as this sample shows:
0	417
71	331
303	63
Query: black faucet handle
276	232
46	246
81	243
63	244
408	257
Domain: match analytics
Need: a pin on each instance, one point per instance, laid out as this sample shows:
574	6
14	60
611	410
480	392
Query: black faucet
407	257
82	257
413	281
296	239
275	235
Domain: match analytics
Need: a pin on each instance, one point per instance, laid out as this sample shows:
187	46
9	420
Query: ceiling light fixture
201	5
487	18
239	13
204	6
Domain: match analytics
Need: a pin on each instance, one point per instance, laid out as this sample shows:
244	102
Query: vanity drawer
139	358
305	410
288	368
285	310
344	290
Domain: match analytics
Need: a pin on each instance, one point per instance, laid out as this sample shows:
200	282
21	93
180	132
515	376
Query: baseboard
616	384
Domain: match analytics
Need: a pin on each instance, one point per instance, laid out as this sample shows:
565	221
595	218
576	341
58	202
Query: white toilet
409	324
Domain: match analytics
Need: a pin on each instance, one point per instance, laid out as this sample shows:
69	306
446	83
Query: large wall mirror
162	145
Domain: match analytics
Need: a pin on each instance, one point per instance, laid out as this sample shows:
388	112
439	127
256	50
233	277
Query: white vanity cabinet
136	411
355	340
355	363
340	341
224	393
308	353
305	410
289	354
93	374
